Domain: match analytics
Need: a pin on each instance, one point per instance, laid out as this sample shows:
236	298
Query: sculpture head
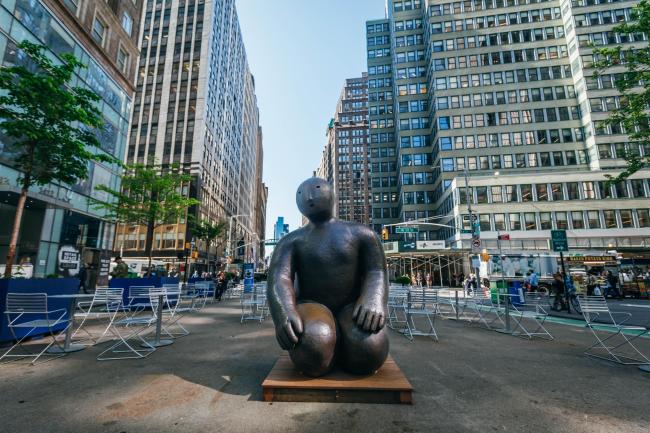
315	199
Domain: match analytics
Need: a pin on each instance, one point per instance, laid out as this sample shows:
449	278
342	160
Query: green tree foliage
150	196
48	125
208	232
633	85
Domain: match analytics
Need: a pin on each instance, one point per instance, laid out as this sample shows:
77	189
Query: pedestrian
592	282
414	280
419	278
121	270
558	290
428	279
527	285
83	277
534	281
221	285
612	286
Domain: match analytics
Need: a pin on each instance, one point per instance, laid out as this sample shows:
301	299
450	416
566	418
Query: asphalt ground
472	380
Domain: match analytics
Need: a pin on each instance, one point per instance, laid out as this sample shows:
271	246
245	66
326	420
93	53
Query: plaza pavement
473	380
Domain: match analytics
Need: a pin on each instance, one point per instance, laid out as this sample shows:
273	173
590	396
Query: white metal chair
129	329
601	321
106	304
421	302
397	296
177	305
482	305
253	305
30	311
138	299
529	318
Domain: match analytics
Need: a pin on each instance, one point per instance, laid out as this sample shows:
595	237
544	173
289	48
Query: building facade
344	162
103	35
499	92
195	106
280	229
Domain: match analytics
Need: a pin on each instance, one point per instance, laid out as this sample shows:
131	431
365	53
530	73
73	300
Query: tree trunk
149	243
209	241
18	218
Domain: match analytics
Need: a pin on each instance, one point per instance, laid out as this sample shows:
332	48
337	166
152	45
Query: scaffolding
444	266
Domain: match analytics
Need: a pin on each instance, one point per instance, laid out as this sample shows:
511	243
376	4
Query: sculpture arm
370	309
282	295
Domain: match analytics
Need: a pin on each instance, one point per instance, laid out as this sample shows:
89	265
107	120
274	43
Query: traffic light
485	257
384	233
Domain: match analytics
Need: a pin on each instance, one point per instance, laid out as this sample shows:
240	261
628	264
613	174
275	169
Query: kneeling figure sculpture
327	290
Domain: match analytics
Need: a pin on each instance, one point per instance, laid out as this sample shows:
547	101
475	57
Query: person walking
612	286
83	278
534	281
428	279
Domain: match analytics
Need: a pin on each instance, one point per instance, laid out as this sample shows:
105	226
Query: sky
300	52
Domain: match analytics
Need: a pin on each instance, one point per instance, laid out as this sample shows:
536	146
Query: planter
51	286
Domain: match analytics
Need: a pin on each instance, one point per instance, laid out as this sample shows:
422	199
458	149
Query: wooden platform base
388	385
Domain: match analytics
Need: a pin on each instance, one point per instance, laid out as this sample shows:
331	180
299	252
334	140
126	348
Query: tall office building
345	158
501	90
195	106
280	229
60	229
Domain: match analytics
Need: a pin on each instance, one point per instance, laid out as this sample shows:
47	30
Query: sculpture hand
369	315
288	331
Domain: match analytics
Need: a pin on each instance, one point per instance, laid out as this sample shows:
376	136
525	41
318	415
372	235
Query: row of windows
476	5
379	52
384	182
510	97
418	197
503	139
519	160
604	17
382	123
380	96
382	152
412	72
412	89
581	3
506	57
378	70
576	220
383	167
418	178
414	123
609	38
501	118
416	159
409	56
386	212
380	82
415	141
377	110
502	20
408	25
635	188
377	28
620	150
378	40
384	197
384	137
407	41
507	38
407	5
413	106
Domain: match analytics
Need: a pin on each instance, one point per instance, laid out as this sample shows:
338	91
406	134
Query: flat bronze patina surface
339	269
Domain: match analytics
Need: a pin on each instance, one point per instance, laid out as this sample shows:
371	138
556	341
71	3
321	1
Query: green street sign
464	231
559	241
406	230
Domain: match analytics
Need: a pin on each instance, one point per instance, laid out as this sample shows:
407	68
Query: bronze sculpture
327	289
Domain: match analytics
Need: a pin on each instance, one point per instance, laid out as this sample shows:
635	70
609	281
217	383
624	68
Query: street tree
208	232
633	85
48	126
150	196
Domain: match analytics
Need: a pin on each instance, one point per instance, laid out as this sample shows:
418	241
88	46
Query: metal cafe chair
421	302
482	305
529	317
129	329
138	299
177	305
106	304
397	296
30	311
602	321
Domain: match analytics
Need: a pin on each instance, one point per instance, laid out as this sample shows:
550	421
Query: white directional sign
430	245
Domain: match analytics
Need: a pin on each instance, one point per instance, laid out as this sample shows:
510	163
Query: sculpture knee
314	353
361	352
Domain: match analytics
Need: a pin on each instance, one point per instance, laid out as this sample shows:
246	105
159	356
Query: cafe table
68	346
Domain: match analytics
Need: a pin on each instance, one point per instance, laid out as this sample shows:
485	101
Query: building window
99	31
610	219
644	217
577	220
515	221
561	221
73	5
122	60
594	219
626	218
499	222
545	220
127	23
529	220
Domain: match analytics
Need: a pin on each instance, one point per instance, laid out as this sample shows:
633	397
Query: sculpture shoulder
288	240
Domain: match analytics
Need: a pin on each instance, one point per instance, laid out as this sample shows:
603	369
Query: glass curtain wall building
345	158
195	105
502	90
60	217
